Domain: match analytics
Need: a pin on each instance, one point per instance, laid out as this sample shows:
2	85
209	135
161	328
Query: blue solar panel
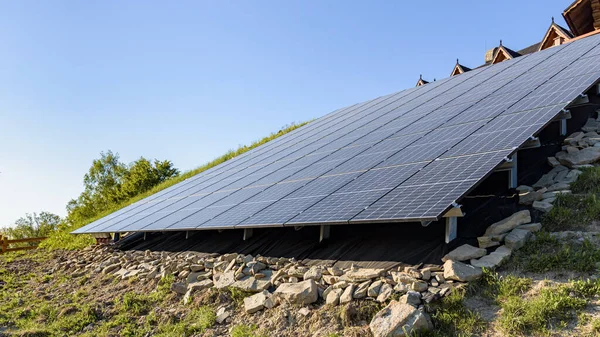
410	154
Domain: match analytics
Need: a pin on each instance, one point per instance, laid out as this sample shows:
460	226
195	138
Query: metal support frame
451	228
187	234
248	232
563	127
514	178
324	232
144	236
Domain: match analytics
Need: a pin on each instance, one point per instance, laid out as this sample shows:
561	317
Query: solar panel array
402	157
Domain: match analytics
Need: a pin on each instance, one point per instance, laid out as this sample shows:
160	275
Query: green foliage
588	181
495	287
572	212
110	182
551	308
33	225
198	320
243	330
547	253
452	318
62	239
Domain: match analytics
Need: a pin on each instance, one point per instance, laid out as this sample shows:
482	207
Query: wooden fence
5	244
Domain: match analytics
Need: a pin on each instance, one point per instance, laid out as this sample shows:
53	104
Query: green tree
109	183
33	225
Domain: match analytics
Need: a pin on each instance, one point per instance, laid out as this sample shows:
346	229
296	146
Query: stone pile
275	280
580	149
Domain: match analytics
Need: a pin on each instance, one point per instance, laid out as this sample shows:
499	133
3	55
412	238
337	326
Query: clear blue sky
186	81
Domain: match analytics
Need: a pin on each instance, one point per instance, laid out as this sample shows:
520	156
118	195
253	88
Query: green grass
452	318
62	239
243	330
547	253
588	181
551	309
572	212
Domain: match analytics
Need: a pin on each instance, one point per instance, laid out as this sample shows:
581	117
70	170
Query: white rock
361	290
302	293
399	320
179	287
542	206
314	273
333	297
256	302
362	274
347	294
495	259
588	155
532	227
385	292
517	238
464	253
374	289
508	224
224	280
458	271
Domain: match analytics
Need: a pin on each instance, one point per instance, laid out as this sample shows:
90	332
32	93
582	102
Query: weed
588	181
547	253
243	330
452	318
572	212
551	308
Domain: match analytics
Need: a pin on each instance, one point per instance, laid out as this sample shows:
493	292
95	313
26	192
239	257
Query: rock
542	206
222	315
493	260
419	286
111	268
253	284
588	155
552	161
330	279
532	227
333	297
530	197
196	267
224	280
304	311
412	297
361	290
340	285
179	287
401	277
385	292
488	241
255	266
402	288
508	224
302	293
200	285
459	271
572	176
464	253
362	274
545	181
425	274
517	238
374	289
524	189
559	187
573	138
335	271
314	273
347	294
590	125
399	320
256	302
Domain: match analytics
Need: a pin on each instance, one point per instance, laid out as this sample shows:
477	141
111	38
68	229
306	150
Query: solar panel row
401	157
